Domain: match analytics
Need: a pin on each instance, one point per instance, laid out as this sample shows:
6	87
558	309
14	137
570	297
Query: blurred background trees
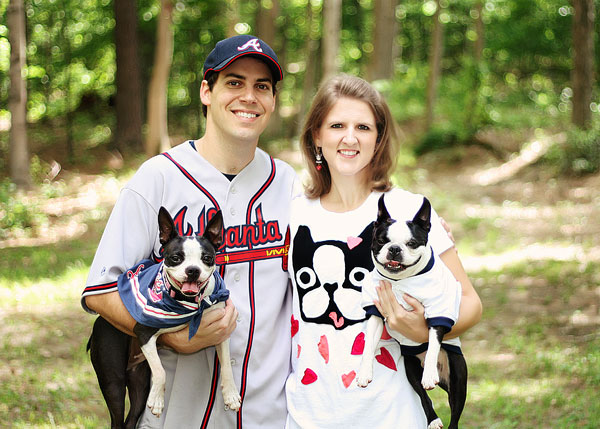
450	69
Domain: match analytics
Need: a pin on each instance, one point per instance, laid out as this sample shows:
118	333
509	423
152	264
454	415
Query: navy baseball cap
228	50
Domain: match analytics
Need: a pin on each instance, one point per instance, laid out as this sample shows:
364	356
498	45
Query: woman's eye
336	126
363	127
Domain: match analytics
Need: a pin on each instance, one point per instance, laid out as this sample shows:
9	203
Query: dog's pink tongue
189	288
393	264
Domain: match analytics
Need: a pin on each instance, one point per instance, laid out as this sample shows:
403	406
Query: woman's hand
410	323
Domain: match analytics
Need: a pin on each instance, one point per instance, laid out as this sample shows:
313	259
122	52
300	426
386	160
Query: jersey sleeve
130	236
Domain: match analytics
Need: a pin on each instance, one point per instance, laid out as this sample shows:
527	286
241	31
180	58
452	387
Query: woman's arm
215	327
470	304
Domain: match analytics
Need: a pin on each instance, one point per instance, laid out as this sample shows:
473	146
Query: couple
348	142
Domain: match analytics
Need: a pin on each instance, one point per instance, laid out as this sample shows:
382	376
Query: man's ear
205	93
274	103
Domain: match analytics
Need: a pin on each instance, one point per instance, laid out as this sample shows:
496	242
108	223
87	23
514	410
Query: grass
534	360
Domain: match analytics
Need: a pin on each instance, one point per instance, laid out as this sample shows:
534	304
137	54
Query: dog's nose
192	273
394	251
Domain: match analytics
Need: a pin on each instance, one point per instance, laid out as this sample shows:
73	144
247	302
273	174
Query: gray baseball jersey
253	263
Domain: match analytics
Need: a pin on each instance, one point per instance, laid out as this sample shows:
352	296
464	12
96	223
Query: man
222	170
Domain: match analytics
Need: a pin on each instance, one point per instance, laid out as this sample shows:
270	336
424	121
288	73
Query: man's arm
215	327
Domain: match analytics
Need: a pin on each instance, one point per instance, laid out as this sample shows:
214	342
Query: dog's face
189	261
400	249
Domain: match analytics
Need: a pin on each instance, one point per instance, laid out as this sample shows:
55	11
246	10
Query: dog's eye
381	241
413	244
175	259
208	260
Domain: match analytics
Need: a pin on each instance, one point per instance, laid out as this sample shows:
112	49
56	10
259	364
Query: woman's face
347	138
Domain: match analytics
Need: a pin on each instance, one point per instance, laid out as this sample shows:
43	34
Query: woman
349	143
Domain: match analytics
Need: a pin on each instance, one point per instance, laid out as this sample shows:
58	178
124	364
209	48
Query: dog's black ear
382	213
214	230
166	226
423	216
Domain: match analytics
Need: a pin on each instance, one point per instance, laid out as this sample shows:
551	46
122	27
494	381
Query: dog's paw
364	378
430	379
436	424
232	398
156	400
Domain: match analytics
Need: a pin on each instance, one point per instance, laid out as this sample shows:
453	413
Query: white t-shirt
329	262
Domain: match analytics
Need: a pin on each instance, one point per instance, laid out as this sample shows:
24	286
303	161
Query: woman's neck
345	195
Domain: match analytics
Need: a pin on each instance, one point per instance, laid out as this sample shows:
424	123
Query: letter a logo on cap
252	43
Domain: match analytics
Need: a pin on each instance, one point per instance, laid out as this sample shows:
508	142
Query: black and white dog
401	254
179	289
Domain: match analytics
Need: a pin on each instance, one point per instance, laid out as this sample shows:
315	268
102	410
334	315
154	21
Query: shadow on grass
46	378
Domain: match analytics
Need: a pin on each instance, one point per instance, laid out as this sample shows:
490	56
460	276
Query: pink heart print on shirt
324	348
385	358
309	376
359	344
353	242
295	326
347	378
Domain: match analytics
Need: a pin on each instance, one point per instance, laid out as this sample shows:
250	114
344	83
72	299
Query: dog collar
429	265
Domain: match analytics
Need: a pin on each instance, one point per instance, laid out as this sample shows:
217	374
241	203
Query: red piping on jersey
211	396
215	377
251	295
194	181
100	287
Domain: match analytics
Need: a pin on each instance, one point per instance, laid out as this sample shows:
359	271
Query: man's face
241	101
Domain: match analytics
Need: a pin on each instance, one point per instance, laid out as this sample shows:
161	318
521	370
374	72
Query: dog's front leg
231	396
431	376
156	398
372	336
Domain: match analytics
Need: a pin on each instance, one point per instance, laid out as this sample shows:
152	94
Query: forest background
499	112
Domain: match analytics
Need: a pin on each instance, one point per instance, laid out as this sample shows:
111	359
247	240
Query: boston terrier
402	255
163	297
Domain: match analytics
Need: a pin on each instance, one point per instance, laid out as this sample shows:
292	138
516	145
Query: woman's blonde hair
384	157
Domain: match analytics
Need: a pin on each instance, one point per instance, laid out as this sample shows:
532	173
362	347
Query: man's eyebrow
238	76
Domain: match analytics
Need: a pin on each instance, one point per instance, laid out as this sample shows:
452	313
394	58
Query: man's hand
216	326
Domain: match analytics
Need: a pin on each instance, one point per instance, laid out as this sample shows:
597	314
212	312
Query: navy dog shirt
145	292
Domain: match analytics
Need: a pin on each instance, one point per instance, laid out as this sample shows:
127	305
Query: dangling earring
319	159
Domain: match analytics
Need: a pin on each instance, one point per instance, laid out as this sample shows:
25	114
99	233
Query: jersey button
232	211
237	277
233	190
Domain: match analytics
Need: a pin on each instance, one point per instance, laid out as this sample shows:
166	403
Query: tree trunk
17	98
157	139
232	16
382	58
266	27
267	30
435	61
479	43
583	70
332	24
128	133
311	48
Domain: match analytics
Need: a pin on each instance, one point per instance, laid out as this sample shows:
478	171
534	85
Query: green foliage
15	213
580	155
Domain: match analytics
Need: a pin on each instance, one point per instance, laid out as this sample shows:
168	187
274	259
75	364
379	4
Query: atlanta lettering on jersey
248	236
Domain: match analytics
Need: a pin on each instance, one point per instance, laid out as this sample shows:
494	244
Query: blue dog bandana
145	292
